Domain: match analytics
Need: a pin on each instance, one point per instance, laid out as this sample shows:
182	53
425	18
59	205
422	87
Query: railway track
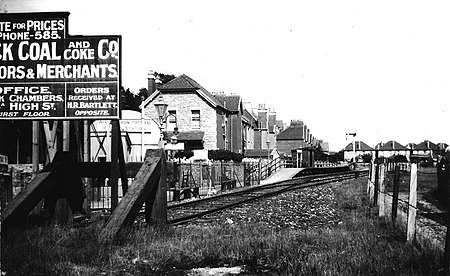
188	211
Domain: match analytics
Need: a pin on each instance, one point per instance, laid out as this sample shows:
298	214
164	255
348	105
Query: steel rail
277	188
264	186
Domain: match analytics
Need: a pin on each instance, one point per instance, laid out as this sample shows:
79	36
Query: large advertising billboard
47	74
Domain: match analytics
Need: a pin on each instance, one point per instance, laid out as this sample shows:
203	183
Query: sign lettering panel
46	74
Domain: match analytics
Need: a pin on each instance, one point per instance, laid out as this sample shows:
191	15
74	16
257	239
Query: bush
224	155
185	153
367	158
400	159
334	158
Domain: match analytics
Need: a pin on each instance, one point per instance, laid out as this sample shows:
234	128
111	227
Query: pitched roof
426	145
293	132
359	145
184	83
392	145
229	102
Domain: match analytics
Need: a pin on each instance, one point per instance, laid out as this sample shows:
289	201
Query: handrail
266	170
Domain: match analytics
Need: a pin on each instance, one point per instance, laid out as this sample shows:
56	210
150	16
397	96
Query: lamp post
268	149
161	108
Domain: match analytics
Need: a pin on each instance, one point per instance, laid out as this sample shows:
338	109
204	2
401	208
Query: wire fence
396	188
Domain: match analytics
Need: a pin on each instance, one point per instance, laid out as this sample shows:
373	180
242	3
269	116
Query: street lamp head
161	108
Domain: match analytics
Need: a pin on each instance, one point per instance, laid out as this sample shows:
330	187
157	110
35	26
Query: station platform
281	175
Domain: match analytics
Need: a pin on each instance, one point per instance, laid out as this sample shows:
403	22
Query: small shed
303	157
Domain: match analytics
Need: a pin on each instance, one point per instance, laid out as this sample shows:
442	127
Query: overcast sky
377	68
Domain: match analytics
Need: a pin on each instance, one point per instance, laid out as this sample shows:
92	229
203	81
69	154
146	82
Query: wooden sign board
47	74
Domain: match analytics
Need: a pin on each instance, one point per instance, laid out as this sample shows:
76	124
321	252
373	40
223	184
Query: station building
204	120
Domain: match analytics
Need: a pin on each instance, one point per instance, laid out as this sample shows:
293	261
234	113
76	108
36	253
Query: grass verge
360	244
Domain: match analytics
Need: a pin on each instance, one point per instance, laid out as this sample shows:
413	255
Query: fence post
373	190
381	194
395	194
156	207
259	172
377	184
200	170
412	204
371	178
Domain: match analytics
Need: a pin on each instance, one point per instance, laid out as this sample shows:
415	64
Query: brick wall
286	146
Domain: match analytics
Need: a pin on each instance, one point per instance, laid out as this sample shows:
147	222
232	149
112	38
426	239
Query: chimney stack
158	82
151	81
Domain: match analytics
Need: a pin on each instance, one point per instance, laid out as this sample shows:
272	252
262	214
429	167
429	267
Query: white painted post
412	204
373	186
371	179
381	194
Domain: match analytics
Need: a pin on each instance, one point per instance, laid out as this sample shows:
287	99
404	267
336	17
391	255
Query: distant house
266	130
424	148
292	138
356	149
391	148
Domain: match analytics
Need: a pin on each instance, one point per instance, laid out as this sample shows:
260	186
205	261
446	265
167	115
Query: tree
143	94
165	78
338	156
129	100
400	159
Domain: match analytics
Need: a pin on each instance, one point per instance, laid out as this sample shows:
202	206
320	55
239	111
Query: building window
195	119
171	120
172	116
